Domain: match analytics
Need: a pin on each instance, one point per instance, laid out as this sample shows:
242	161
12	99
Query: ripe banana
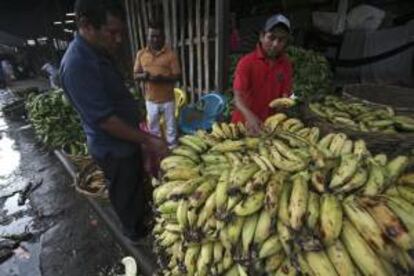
298	200
187	152
271	246
362	255
207	210
175	161
320	264
217	131
249	229
229	145
313	211
282	103
345	171
250	205
263	227
339	257
330	218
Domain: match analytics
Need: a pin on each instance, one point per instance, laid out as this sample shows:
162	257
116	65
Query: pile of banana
361	117
56	123
286	203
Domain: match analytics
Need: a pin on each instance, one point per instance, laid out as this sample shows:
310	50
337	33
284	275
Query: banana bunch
361	117
56	123
288	202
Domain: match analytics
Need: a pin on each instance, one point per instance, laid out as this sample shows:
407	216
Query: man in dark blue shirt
108	111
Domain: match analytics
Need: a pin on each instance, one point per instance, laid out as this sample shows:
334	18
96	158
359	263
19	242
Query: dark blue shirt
96	89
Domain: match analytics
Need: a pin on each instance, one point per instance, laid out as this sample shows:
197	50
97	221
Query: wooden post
222	42
199	49
182	39
129	19
134	27
191	47
174	24
140	27
167	20
144	12
207	45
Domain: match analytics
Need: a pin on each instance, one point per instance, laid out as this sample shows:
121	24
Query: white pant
154	112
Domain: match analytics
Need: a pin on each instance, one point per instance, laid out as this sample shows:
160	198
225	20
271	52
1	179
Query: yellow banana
270	247
217	131
407	193
242	128
339	257
205	258
283	212
381	159
182	173
212	158
320	263
202	192
182	210
314	135
376	179
396	166
298	200
285	150
234	229
347	147
284	164
406	179
330	218
273	190
234	131
326	141
250	205
357	181
362	255
218	252
162	192
282	103
273	262
291	122
272	122
337	143
313	211
233	159
318	181
207	210
168	207
259	162
286	269
187	152
367	227
252	143
186	188
285	236
190	259
263	227
243	175
174	161
221	190
360	148
404	210
194	143
304	132
345	171
249	229
226	130
229	145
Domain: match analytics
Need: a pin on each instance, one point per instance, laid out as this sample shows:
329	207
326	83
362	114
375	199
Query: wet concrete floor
60	233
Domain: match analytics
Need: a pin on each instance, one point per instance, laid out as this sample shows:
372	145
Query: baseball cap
276	19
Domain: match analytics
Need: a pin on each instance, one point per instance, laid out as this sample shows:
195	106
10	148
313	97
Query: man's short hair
95	12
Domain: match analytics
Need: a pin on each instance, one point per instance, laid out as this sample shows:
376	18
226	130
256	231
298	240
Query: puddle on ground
9	156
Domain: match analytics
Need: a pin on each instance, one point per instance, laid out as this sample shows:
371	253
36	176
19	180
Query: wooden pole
183	46
145	16
222	42
174	41
129	19
207	45
191	47
141	32
199	49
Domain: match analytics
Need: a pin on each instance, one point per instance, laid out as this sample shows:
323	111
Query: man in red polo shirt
263	75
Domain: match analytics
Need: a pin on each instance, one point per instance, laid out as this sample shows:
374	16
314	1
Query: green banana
331	217
345	171
249	229
362	255
339	257
298	200
270	247
250	205
263	227
320	263
313	211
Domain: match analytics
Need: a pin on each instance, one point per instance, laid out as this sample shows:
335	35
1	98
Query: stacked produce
56	122
285	203
312	75
361	117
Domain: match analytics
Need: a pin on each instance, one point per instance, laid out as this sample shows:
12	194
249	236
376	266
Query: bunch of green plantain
361	117
56	123
287	202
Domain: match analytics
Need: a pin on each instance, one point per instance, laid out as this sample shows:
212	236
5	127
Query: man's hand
154	151
254	125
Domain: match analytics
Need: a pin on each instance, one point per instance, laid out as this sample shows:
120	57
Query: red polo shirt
259	82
